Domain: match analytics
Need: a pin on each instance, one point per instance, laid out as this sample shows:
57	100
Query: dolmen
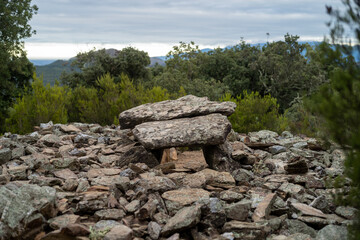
185	122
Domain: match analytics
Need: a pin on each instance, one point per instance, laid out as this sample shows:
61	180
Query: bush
103	103
40	104
254	113
303	121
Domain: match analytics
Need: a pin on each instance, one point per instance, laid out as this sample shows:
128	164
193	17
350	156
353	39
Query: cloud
216	22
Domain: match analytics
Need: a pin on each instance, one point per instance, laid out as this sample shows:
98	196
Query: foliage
338	102
102	103
15	68
254	113
303	121
284	71
41	104
89	66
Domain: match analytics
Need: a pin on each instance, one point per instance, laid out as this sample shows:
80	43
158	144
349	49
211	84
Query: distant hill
53	70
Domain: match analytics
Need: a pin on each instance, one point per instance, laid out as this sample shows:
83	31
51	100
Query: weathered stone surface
186	218
50	140
187	106
219	157
277	149
119	232
177	199
110	214
238	211
203	130
332	232
307	210
242	176
5	155
19	211
246	230
296	166
134	194
137	154
262	211
63	220
296	226
69	129
154	230
346	212
65	174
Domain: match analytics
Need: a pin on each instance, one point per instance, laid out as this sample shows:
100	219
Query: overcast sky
66	27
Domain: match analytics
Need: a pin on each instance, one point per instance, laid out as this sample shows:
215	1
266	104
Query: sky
67	27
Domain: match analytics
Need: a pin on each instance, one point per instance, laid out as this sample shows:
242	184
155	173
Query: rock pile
85	181
188	121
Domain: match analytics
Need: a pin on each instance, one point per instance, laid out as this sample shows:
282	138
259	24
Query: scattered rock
184	219
332	232
5	155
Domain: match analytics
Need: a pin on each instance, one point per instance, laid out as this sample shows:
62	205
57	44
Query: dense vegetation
15	69
338	102
268	84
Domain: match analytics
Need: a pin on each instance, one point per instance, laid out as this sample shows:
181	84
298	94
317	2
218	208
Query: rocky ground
83	181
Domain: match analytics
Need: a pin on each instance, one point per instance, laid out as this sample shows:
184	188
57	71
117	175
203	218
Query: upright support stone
219	157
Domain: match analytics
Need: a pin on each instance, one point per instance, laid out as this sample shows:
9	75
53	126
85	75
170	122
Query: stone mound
85	181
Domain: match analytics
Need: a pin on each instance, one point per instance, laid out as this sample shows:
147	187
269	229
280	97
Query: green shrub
254	113
103	103
40	104
302	121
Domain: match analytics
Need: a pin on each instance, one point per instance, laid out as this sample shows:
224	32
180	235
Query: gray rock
203	130
19	210
18	152
277	149
246	230
332	232
50	140
300	145
133	206
154	230
296	166
242	176
48	125
137	154
238	211
184	219
110	214
177	199
82	138
119	232
264	136
286	134
187	106
296	226
219	157
5	155
105	224
346	212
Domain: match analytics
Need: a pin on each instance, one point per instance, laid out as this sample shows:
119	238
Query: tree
15	69
284	71
338	102
89	66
